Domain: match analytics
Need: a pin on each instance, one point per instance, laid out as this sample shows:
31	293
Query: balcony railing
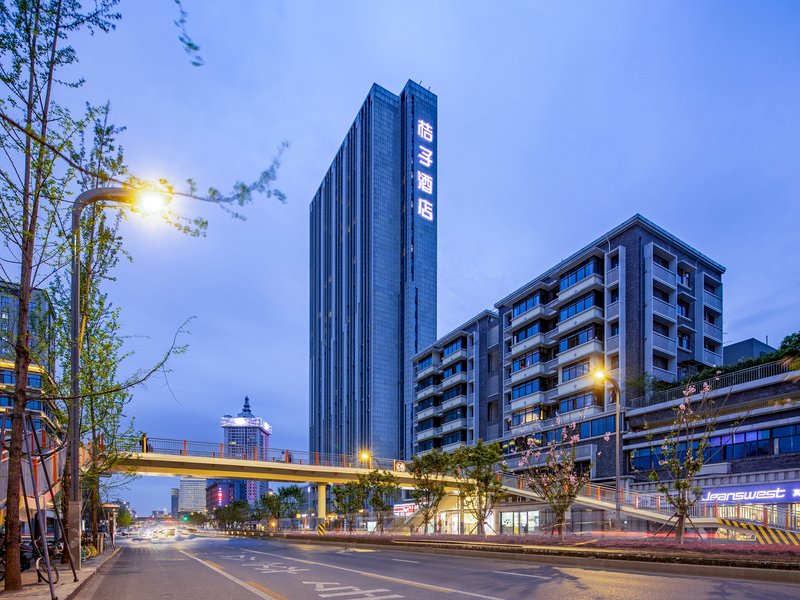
712	300
771	369
612	276
664	343
664	275
662	308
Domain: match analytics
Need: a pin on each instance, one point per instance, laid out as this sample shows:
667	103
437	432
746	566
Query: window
580	305
659	362
426	404
579	401
526	389
527	304
454	437
425	425
458	367
453	347
450	393
709	345
529	331
426	445
660	294
614	262
683	308
684	278
614	361
427	382
614	295
593	332
660	260
709	287
574	371
454	415
522	417
660	328
578	274
709	318
425	363
491	411
525	361
614	329
684	341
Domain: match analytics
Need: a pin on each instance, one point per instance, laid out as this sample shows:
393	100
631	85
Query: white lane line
426	586
416	562
249	588
521	574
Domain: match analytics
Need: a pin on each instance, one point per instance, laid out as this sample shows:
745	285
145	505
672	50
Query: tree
478	469
234	514
558	481
348	500
269	507
684	450
124	517
381	487
428	471
197	518
291	497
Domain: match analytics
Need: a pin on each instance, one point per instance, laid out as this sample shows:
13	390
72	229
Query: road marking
266	590
521	574
416	562
338	590
215	565
425	586
264	595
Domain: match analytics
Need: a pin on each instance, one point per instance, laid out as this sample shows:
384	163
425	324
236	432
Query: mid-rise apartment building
373	275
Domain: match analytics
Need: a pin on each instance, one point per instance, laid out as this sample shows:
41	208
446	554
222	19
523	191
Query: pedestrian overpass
181	458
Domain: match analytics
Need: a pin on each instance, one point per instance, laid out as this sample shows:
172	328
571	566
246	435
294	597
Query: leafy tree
197	518
269	507
428	471
233	515
124	517
558	481
478	468
381	487
348	500
291	497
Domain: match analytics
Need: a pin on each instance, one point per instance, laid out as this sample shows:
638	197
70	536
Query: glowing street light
149	201
603	378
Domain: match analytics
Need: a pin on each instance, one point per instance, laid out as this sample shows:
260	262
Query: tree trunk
680	528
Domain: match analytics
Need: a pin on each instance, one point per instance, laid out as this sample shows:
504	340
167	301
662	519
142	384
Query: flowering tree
556	480
683	451
477	468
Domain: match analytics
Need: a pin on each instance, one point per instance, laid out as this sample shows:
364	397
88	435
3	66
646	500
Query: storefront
776	503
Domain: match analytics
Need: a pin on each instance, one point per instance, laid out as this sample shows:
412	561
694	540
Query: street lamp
365	458
150	202
604	378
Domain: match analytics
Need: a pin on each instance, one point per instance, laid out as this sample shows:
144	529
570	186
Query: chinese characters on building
424	180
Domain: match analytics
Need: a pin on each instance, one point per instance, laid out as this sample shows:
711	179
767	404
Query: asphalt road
203	568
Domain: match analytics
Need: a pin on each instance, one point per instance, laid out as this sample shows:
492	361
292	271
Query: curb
83	581
765	574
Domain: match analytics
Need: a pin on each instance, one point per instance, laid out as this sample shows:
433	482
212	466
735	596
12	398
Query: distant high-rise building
222	492
173	497
247	436
373	275
192	495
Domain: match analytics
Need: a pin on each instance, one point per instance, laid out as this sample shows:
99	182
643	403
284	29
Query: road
206	568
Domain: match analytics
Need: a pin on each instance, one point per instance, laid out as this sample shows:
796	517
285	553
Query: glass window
574	371
580	305
453	347
578	274
592	332
526	332
527	304
525	389
526	360
425	363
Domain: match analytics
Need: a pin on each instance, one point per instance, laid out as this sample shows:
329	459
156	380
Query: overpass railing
275	455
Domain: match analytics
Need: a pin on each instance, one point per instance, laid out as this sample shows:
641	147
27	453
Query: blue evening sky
557	121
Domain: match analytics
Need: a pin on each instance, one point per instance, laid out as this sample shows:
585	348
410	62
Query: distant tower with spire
247	436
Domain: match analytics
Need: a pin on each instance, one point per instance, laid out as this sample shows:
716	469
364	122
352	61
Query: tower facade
247	436
373	275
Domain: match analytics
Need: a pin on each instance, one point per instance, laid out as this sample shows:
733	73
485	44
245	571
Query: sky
557	121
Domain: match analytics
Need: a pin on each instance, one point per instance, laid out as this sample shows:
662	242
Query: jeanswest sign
769	493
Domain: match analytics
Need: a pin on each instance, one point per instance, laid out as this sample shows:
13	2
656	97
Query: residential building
191	495
373	275
745	350
173	502
247	436
221	492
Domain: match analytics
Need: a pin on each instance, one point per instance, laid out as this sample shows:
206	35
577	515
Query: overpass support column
321	502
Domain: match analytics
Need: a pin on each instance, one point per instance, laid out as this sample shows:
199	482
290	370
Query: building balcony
460	400
431	390
712	301
712	331
460	377
579	414
664	276
582	452
460	354
539	339
685	322
594	281
612	310
664	343
685	292
526	401
452	447
578	352
663	375
428	412
534	370
541	311
665	310
711	358
454	424
430	369
594	313
421	436
612	343
612	276
578	385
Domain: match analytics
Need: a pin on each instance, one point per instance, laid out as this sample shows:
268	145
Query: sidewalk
66	586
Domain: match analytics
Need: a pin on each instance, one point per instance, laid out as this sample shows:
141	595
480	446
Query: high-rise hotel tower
373	275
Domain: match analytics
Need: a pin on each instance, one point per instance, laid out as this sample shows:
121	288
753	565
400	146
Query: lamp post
116	195
603	377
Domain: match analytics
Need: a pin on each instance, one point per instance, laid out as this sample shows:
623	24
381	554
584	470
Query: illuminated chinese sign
425	160
404	510
754	494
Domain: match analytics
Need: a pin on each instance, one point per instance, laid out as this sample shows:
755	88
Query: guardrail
174	447
779	367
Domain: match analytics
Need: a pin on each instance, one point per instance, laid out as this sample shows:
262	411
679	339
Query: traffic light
185	517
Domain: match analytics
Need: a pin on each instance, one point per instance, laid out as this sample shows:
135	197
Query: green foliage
197	518
479	469
381	487
429	488
268	506
124	517
233	515
348	501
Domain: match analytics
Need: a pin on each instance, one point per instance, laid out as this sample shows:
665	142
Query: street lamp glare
600	375
152	202
365	456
